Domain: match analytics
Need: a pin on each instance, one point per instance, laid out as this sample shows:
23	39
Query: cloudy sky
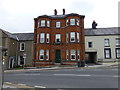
18	15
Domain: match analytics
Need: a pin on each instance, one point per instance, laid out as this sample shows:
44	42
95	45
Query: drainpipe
17	48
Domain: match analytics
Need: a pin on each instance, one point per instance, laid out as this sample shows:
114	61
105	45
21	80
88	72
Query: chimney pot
63	11
94	24
55	12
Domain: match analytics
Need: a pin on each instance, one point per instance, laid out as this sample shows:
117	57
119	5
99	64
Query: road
67	78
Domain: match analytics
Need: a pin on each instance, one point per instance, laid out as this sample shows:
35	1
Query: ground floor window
73	54
41	54
118	53
21	60
107	53
67	55
47	54
78	55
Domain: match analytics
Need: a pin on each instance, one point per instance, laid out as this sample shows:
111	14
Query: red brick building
59	39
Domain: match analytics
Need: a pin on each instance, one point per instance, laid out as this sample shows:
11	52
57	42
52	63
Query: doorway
58	56
91	57
11	62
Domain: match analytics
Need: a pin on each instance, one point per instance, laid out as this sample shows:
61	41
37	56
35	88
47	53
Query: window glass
22	46
47	38
90	44
42	38
58	24
73	55
107	53
58	39
117	41
78	22
72	21
42	23
118	53
41	54
47	54
72	36
106	42
78	37
48	23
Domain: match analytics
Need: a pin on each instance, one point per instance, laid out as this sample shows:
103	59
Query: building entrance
91	57
58	56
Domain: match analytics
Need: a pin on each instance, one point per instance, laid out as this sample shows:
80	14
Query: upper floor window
72	36
78	37
47	38
72	21
41	54
117	41
22	46
67	21
78	22
42	23
106	42
42	38
58	39
66	37
73	54
48	23
58	24
90	44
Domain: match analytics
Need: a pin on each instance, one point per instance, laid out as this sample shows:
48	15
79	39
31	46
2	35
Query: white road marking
39	87
8	82
116	76
21	84
27	74
72	75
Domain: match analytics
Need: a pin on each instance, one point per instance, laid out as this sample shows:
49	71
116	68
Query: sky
17	16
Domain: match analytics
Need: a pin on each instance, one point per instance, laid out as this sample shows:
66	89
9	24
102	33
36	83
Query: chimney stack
63	11
55	12
94	24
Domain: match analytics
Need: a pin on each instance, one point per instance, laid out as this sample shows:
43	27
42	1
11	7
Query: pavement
90	66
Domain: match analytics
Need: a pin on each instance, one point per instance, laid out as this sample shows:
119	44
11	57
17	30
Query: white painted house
102	44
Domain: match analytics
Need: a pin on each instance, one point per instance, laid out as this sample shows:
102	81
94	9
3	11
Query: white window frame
106	42
47	54
67	54
78	22
41	53
48	23
72	35
42	23
58	24
47	38
117	40
58	36
42	37
73	52
67	21
72	21
78	37
67	38
21	46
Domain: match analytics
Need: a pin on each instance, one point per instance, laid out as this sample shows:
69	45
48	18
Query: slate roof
102	31
9	34
59	16
24	36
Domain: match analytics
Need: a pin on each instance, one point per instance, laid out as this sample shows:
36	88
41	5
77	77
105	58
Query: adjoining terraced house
17	49
59	39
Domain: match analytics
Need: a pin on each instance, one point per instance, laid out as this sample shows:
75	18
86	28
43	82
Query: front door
58	56
11	62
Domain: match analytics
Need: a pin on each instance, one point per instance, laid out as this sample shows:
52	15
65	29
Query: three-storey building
59	39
